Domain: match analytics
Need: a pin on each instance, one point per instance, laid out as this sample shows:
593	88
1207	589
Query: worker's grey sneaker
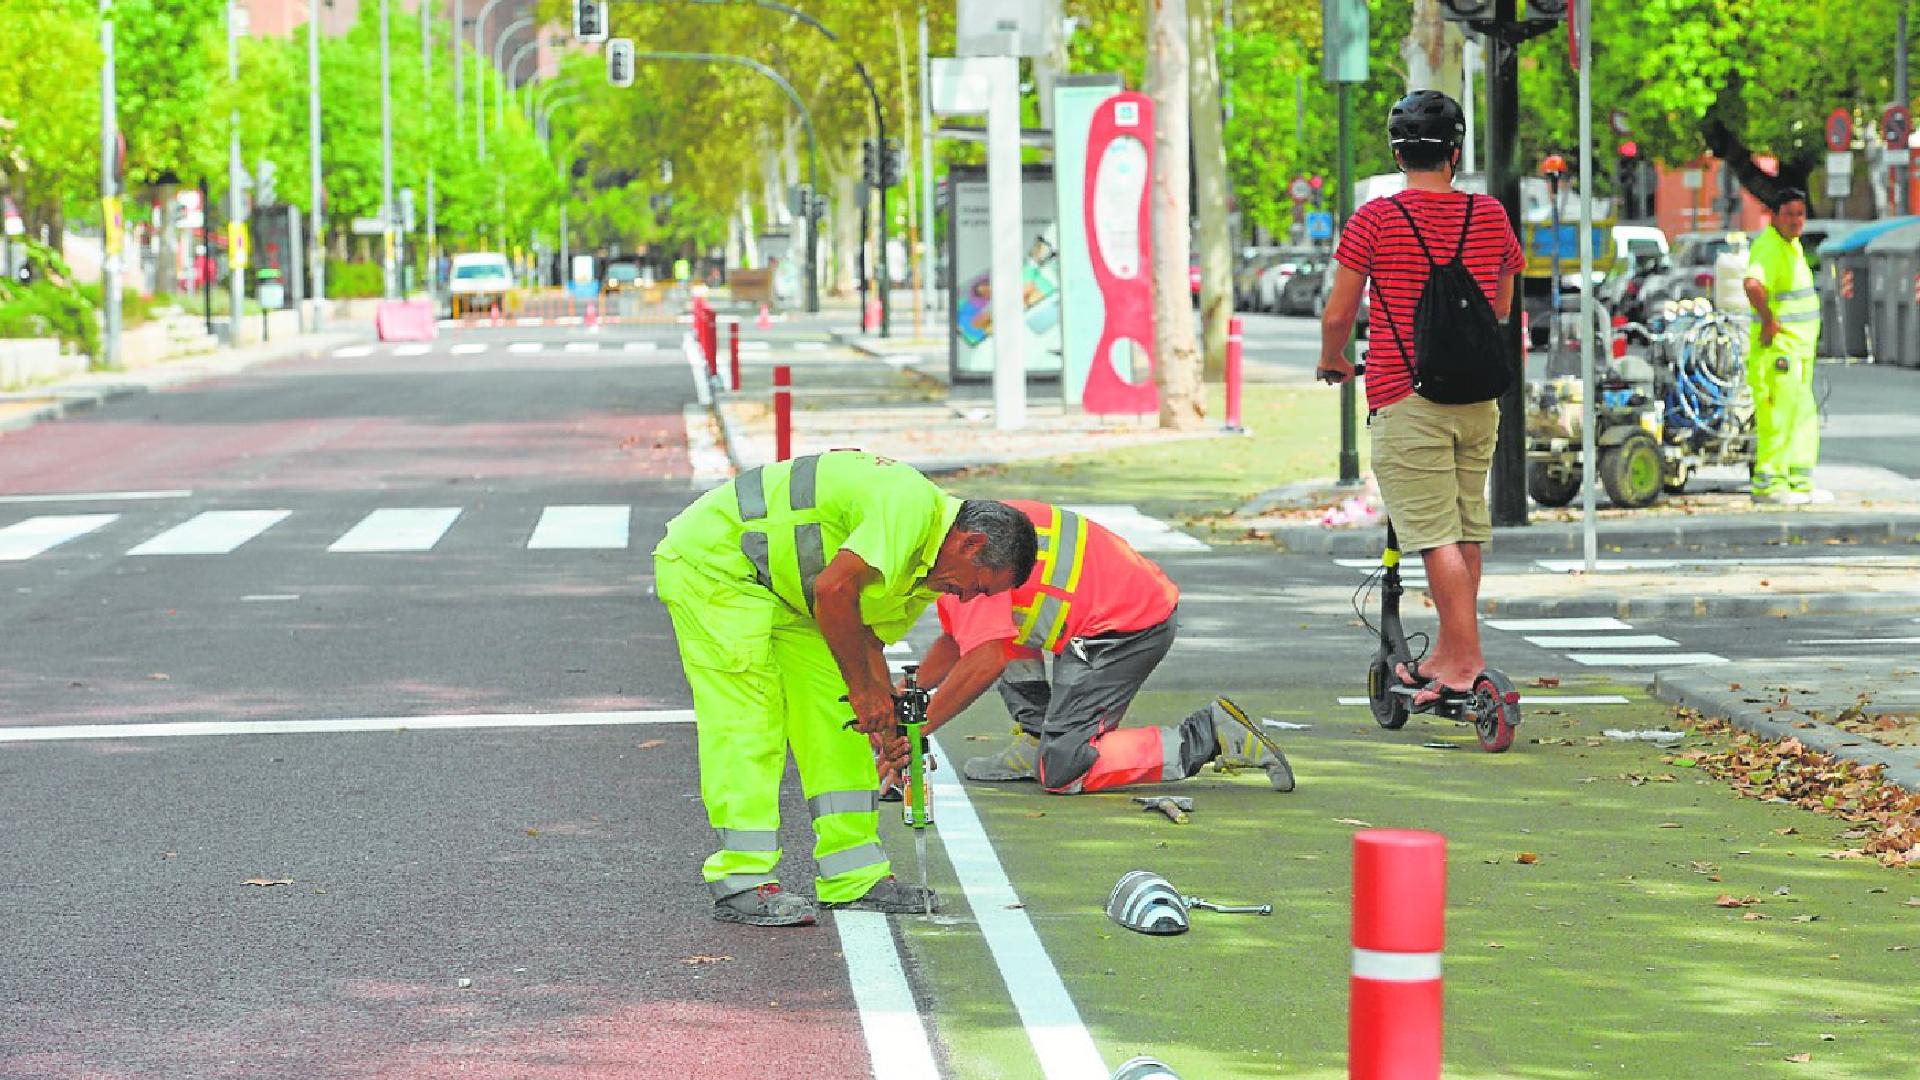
1244	746
893	897
1018	760
765	905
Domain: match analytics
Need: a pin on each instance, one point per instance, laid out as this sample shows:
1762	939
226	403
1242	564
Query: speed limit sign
1300	189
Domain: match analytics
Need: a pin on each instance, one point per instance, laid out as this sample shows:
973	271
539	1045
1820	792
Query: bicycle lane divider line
1059	1038
68	732
896	1035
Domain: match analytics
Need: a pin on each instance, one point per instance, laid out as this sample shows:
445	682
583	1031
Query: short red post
1619	336
1233	374
710	342
733	354
782	413
1399	931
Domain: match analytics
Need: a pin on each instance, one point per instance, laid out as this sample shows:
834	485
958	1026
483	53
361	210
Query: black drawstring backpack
1459	355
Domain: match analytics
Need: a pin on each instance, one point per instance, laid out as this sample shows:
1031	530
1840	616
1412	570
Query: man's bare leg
1453	580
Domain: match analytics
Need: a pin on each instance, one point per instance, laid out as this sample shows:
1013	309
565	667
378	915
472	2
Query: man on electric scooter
1432	443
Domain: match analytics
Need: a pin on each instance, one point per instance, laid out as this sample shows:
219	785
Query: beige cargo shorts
1431	461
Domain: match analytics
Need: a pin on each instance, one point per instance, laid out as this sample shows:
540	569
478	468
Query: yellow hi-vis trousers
1786	420
763	680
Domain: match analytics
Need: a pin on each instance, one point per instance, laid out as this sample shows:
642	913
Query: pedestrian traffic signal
869	163
590	20
620	62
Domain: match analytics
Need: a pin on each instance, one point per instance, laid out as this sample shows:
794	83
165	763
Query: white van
478	281
1632	241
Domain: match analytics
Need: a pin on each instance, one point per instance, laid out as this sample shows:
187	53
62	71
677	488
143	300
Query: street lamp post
390	284
316	245
513	70
500	66
236	218
426	82
479	77
110	218
459	82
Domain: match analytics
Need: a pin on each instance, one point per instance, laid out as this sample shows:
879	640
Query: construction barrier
404	320
1399	932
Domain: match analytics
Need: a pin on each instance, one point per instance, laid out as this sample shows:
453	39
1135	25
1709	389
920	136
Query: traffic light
1626	175
590	20
620	62
869	163
893	165
666	170
1473	11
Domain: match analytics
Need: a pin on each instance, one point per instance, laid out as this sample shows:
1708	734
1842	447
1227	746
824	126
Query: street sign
1896	128
1840	175
1839	130
1320	225
1343	39
1692	179
369	226
1300	189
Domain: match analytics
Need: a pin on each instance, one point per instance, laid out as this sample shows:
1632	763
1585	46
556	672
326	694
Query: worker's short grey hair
1011	543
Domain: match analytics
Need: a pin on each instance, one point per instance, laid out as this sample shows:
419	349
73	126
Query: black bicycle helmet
1427	117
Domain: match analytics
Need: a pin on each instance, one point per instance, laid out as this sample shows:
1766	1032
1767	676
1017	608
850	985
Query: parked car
1324	282
1689	272
622	275
1246	288
479	280
1299	295
1267	287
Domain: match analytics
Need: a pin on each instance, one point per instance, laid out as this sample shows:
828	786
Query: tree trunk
1210	173
1176	357
1432	51
166	276
846	234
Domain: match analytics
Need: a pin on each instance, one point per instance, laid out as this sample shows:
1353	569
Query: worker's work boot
765	905
1019	760
1242	745
893	897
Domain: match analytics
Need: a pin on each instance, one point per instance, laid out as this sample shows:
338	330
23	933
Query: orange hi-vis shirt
1086	582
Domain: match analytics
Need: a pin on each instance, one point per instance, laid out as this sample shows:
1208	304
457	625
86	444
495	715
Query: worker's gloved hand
872	712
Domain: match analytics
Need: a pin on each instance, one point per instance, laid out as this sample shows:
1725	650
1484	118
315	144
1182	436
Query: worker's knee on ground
1063	762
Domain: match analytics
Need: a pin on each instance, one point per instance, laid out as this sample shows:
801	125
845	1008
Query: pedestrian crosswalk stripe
25	539
1539	699
641	346
412	350
581	527
469	348
353	352
215	532
583	346
809	346
524	347
1862	641
1644	659
1604	641
1566	625
1143	532
398	528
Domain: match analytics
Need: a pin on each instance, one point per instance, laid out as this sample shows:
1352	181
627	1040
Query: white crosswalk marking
398	528
25	539
641	346
1570	626
215	532
583	346
1644	659
469	348
524	347
353	352
1143	532
581	527
809	346
412	350
1604	641
1412	572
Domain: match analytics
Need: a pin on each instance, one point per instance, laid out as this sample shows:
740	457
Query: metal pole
1900	172
459	79
1509	480
316	243
236	218
391	282
1589	542
510	82
1008	245
1343	206
926	167
500	67
426	82
480	78
1469	52
111	231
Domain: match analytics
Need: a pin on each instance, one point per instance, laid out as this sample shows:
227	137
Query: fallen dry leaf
697	960
1806	918
1546	682
1526	858
1355	822
160	676
1799	1059
1728	900
1755	916
267	883
651	743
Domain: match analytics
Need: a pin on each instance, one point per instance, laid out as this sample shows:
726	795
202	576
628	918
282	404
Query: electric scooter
1491	705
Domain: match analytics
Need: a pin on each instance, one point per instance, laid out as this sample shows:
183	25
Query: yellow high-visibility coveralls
736	572
1786	417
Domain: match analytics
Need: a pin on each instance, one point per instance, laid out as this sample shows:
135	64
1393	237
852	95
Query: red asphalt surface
702	999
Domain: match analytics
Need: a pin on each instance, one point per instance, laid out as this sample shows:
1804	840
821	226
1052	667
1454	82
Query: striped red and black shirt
1378	243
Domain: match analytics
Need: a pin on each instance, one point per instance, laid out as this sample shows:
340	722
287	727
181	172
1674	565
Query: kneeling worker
1106	613
782	586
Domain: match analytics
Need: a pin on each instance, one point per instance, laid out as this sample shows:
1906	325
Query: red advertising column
1399	930
1119	228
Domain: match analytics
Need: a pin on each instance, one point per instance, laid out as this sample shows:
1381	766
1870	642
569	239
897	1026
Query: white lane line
755	346
641	346
1053	1024
896	1035
412	350
353	352
1860	641
1564	625
355	723
1539	699
1644	659
215	532
96	496
1143	532
582	346
524	347
1569	566
1604	641
581	527
810	346
25	539
469	348
270	597
398	528
529	320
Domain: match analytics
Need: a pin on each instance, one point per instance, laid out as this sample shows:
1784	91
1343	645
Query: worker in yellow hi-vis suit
1785	339
783	587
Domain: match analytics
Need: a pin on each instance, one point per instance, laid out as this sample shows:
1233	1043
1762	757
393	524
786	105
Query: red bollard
733	354
1233	374
782	413
1619	337
710	341
1399	930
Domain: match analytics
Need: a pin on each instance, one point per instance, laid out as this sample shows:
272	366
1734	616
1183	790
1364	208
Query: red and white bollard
765	320
733	355
1234	375
593	315
871	320
1399	932
782	413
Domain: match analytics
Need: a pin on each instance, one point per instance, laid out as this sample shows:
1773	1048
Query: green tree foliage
49	105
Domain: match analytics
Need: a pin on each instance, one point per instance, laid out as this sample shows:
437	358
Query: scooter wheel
1496	711
1389	709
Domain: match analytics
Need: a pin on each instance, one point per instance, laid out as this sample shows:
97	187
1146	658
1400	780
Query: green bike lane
1585	928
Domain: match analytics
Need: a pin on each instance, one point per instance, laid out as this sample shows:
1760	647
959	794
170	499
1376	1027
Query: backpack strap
1424	249
1460	253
